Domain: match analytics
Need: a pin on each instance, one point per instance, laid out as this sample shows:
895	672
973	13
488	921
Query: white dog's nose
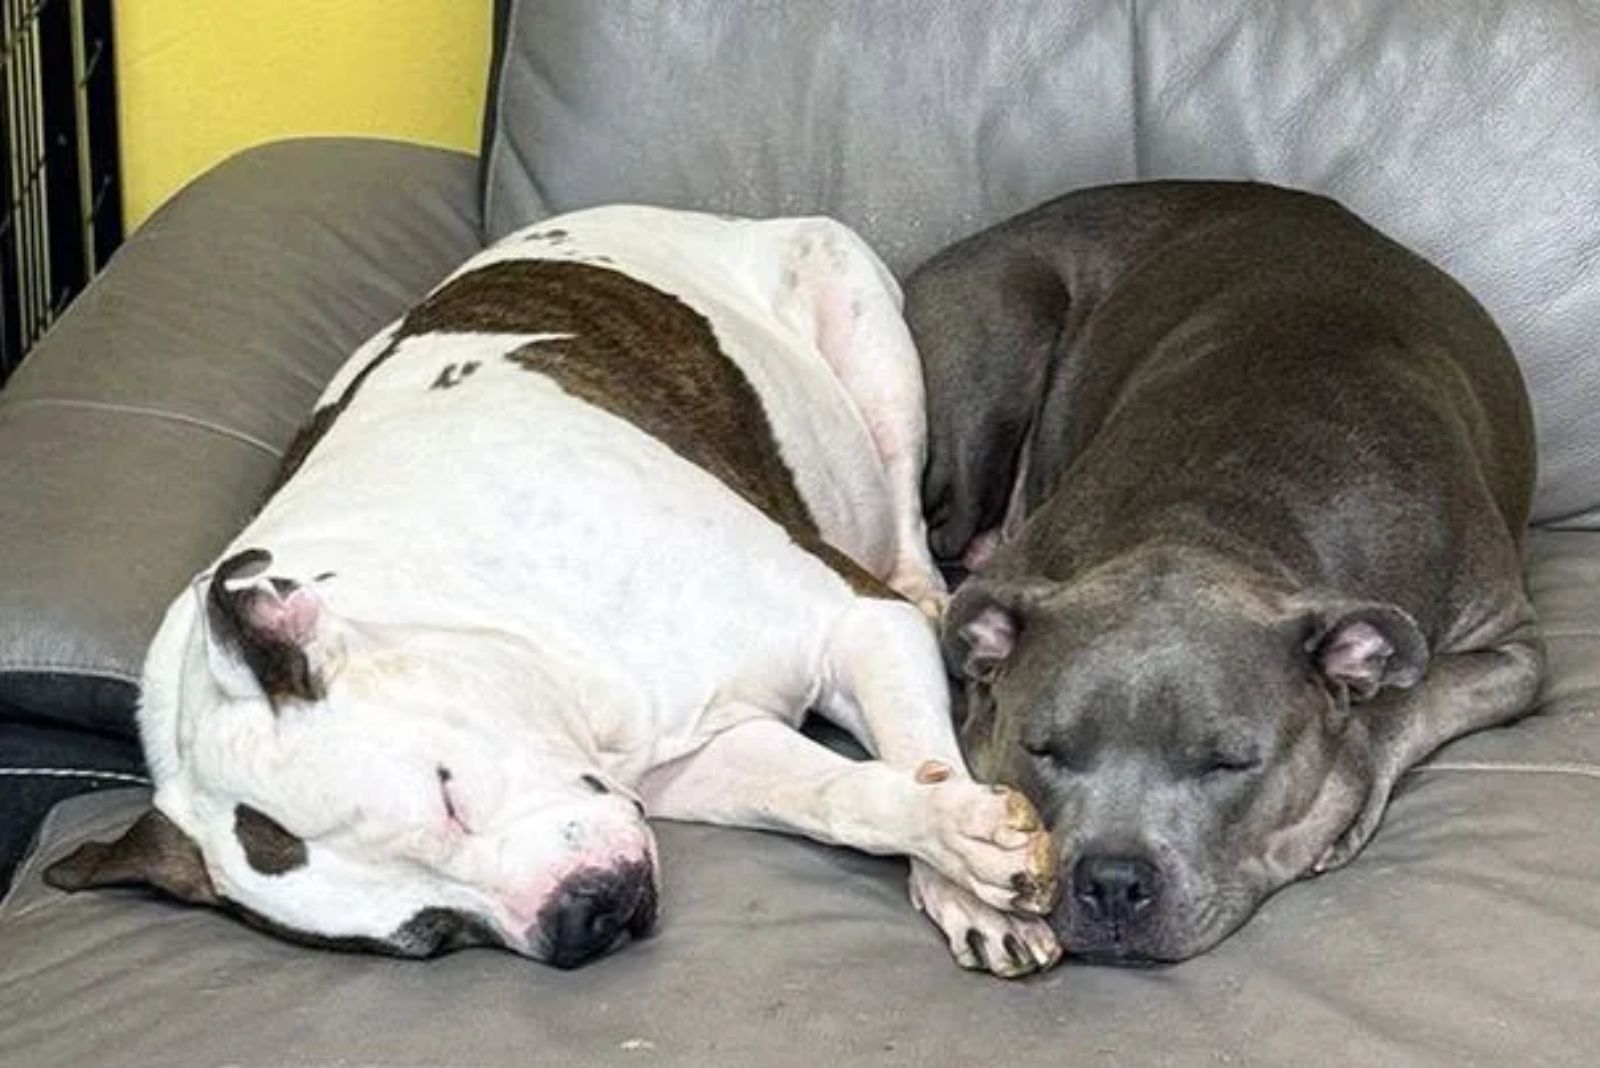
591	912
578	877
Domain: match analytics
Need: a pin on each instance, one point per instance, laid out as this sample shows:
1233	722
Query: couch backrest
1470	131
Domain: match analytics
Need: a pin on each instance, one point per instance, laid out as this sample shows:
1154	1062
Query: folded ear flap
1365	647
986	619
986	316
153	852
276	626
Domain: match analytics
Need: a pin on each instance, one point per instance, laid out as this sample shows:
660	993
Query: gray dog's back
1243	363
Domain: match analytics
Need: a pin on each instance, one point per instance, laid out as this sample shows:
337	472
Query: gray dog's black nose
1113	889
593	909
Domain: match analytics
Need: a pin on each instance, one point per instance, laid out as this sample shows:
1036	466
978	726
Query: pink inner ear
981	550
991	635
290	618
1356	653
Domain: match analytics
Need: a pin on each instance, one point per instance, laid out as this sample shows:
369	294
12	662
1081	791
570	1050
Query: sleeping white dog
579	540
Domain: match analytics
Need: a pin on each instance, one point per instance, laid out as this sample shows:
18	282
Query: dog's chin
1155	948
1116	959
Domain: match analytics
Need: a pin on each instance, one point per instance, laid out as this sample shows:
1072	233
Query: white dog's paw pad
982	938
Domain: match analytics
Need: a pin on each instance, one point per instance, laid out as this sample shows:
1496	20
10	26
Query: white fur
520	587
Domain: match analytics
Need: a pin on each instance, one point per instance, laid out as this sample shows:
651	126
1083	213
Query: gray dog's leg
1462	692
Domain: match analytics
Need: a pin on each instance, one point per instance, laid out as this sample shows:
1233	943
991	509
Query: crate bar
99	111
60	194
37	271
58	95
10	274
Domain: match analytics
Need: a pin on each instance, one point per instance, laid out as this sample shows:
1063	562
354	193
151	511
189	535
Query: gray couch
144	427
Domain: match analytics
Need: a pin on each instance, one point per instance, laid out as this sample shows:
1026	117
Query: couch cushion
1467	131
141	431
1467	934
41	765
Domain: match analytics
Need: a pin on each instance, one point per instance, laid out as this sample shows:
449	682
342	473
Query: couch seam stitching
150	413
1582	771
75	773
17	667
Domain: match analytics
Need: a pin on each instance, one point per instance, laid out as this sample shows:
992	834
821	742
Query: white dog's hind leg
854	306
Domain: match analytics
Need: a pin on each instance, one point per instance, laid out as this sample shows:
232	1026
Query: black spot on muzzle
593	910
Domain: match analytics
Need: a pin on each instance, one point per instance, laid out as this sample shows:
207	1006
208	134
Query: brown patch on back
648	358
651	360
860	579
269	848
636	352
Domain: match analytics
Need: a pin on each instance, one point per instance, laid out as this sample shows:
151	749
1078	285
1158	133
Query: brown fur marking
636	352
269	848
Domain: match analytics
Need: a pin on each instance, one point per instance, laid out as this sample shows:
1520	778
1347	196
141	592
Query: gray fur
1258	477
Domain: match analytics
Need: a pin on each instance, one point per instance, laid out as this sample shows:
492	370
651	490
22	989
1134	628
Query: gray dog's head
1194	735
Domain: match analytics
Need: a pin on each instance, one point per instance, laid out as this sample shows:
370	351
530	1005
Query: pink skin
519	909
981	550
609	845
290	619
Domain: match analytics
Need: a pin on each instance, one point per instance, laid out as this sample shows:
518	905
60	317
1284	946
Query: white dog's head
389	788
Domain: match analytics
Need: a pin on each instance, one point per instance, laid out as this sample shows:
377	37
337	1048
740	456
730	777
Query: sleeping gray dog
1242	485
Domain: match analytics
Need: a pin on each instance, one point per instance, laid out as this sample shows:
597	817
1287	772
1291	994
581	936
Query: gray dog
1242	485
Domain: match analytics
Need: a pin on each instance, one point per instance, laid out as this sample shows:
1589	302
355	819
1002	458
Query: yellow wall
200	79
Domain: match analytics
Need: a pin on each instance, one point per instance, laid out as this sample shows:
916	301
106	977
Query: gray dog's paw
1352	841
983	938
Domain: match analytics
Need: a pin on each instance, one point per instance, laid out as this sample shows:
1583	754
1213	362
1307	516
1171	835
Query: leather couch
143	429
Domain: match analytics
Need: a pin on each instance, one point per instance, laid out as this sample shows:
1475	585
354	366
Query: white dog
579	539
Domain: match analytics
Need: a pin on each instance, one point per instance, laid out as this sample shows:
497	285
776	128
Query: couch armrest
141	431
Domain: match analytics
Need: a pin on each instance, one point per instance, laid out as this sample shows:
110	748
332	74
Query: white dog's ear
277	628
153	852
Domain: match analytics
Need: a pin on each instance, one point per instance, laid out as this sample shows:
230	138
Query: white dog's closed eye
453	808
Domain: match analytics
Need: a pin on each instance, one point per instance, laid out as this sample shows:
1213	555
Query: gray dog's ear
153	852
985	620
986	315
1365	647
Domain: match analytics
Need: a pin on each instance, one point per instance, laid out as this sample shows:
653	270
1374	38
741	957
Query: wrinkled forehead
1153	676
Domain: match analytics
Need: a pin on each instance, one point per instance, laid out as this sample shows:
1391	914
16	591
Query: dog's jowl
579	540
1242	485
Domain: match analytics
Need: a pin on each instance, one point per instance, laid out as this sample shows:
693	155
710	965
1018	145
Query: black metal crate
62	201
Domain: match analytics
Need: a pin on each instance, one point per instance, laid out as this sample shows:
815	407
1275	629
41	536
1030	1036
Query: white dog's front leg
890	691
887	685
762	773
980	936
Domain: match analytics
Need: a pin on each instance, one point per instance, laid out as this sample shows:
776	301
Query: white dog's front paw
990	840
982	937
